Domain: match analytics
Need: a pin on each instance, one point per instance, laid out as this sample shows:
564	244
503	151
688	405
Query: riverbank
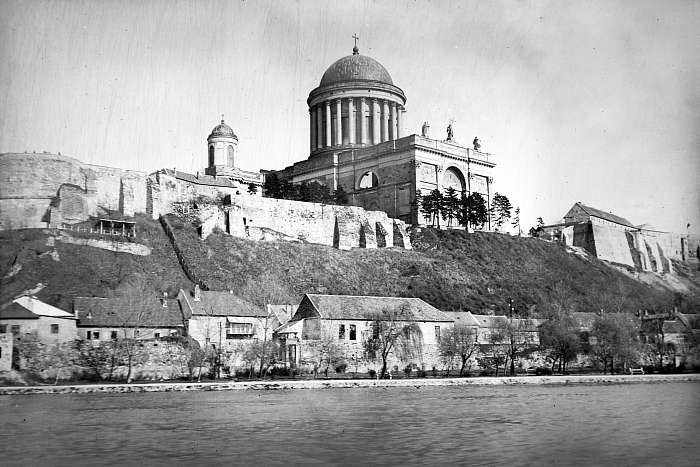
346	383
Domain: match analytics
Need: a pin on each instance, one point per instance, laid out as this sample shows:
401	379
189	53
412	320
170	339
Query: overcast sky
597	102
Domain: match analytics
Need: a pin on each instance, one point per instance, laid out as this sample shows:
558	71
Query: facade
348	320
106	319
29	315
357	143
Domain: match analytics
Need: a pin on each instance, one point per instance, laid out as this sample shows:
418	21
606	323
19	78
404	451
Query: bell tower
222	150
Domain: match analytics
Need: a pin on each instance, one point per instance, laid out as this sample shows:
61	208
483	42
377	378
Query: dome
355	67
222	130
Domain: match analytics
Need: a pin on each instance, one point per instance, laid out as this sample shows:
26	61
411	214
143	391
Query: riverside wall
349	383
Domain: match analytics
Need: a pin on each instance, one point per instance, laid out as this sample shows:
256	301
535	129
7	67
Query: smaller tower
222	147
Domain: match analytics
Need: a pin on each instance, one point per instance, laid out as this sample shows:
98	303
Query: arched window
368	180
211	156
230	155
453	178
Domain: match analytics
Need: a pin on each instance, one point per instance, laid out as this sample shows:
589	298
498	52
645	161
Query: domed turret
222	145
355	104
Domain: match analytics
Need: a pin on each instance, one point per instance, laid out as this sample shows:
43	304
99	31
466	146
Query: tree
97	357
252	188
432	206
393	331
132	318
458	342
451	206
560	337
340	196
516	221
501	208
515	336
473	211
325	351
615	338
272	188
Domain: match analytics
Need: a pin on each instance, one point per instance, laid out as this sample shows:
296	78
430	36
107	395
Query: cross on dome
355	50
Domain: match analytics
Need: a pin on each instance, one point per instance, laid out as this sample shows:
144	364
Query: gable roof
13	310
462	318
604	215
492	321
215	303
121	312
362	307
39	308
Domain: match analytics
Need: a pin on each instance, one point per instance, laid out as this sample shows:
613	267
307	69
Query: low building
352	320
104	319
29	315
223	320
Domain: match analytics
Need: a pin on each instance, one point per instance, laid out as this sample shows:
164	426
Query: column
328	124
312	131
319	127
392	134
351	121
363	121
338	122
385	121
375	121
399	121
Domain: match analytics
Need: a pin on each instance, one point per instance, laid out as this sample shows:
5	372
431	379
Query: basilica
357	142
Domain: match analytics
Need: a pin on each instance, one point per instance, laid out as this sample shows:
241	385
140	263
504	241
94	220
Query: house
525	330
29	315
222	319
105	319
351	321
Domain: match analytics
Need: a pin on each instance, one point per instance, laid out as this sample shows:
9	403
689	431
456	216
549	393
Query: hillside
27	258
450	269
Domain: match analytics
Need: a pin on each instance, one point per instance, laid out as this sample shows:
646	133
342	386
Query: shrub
372	374
407	371
341	367
543	371
422	373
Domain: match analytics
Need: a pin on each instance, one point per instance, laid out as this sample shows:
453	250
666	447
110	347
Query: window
239	330
341	332
3	328
230	156
437	333
96	335
368	180
113	335
14	329
136	332
353	332
156	335
54	329
211	156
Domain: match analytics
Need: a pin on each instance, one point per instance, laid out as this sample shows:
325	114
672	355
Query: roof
14	311
283	313
222	130
493	321
362	307
39	308
605	215
355	67
289	327
200	179
214	303
462	318
125	312
675	326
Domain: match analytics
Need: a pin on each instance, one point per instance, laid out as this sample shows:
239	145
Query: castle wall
344	227
611	242
43	190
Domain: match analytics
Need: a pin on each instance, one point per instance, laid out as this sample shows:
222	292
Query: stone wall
43	190
611	243
343	227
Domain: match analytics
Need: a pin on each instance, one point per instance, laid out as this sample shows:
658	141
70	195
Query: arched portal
454	178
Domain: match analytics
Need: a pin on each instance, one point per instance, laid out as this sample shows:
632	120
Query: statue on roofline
449	132
477	144
424	130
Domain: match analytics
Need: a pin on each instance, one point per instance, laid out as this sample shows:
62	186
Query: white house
29	315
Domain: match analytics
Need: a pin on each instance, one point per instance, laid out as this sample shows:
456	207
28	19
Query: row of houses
222	320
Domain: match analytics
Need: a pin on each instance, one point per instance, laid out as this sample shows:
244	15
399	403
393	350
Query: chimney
165	299
197	293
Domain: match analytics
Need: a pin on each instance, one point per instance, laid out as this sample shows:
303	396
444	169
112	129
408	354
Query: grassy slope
451	270
85	271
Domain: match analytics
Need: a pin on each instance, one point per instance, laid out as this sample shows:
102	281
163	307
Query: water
641	424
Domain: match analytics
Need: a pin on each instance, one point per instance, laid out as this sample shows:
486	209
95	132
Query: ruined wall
42	190
343	227
165	191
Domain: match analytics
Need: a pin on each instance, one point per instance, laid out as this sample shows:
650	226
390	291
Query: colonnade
371	121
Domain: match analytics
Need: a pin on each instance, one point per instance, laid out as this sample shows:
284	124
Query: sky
590	101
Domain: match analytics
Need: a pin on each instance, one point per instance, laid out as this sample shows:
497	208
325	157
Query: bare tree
515	336
459	342
325	351
393	331
133	316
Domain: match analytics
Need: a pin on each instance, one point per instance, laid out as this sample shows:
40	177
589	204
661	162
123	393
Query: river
637	424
